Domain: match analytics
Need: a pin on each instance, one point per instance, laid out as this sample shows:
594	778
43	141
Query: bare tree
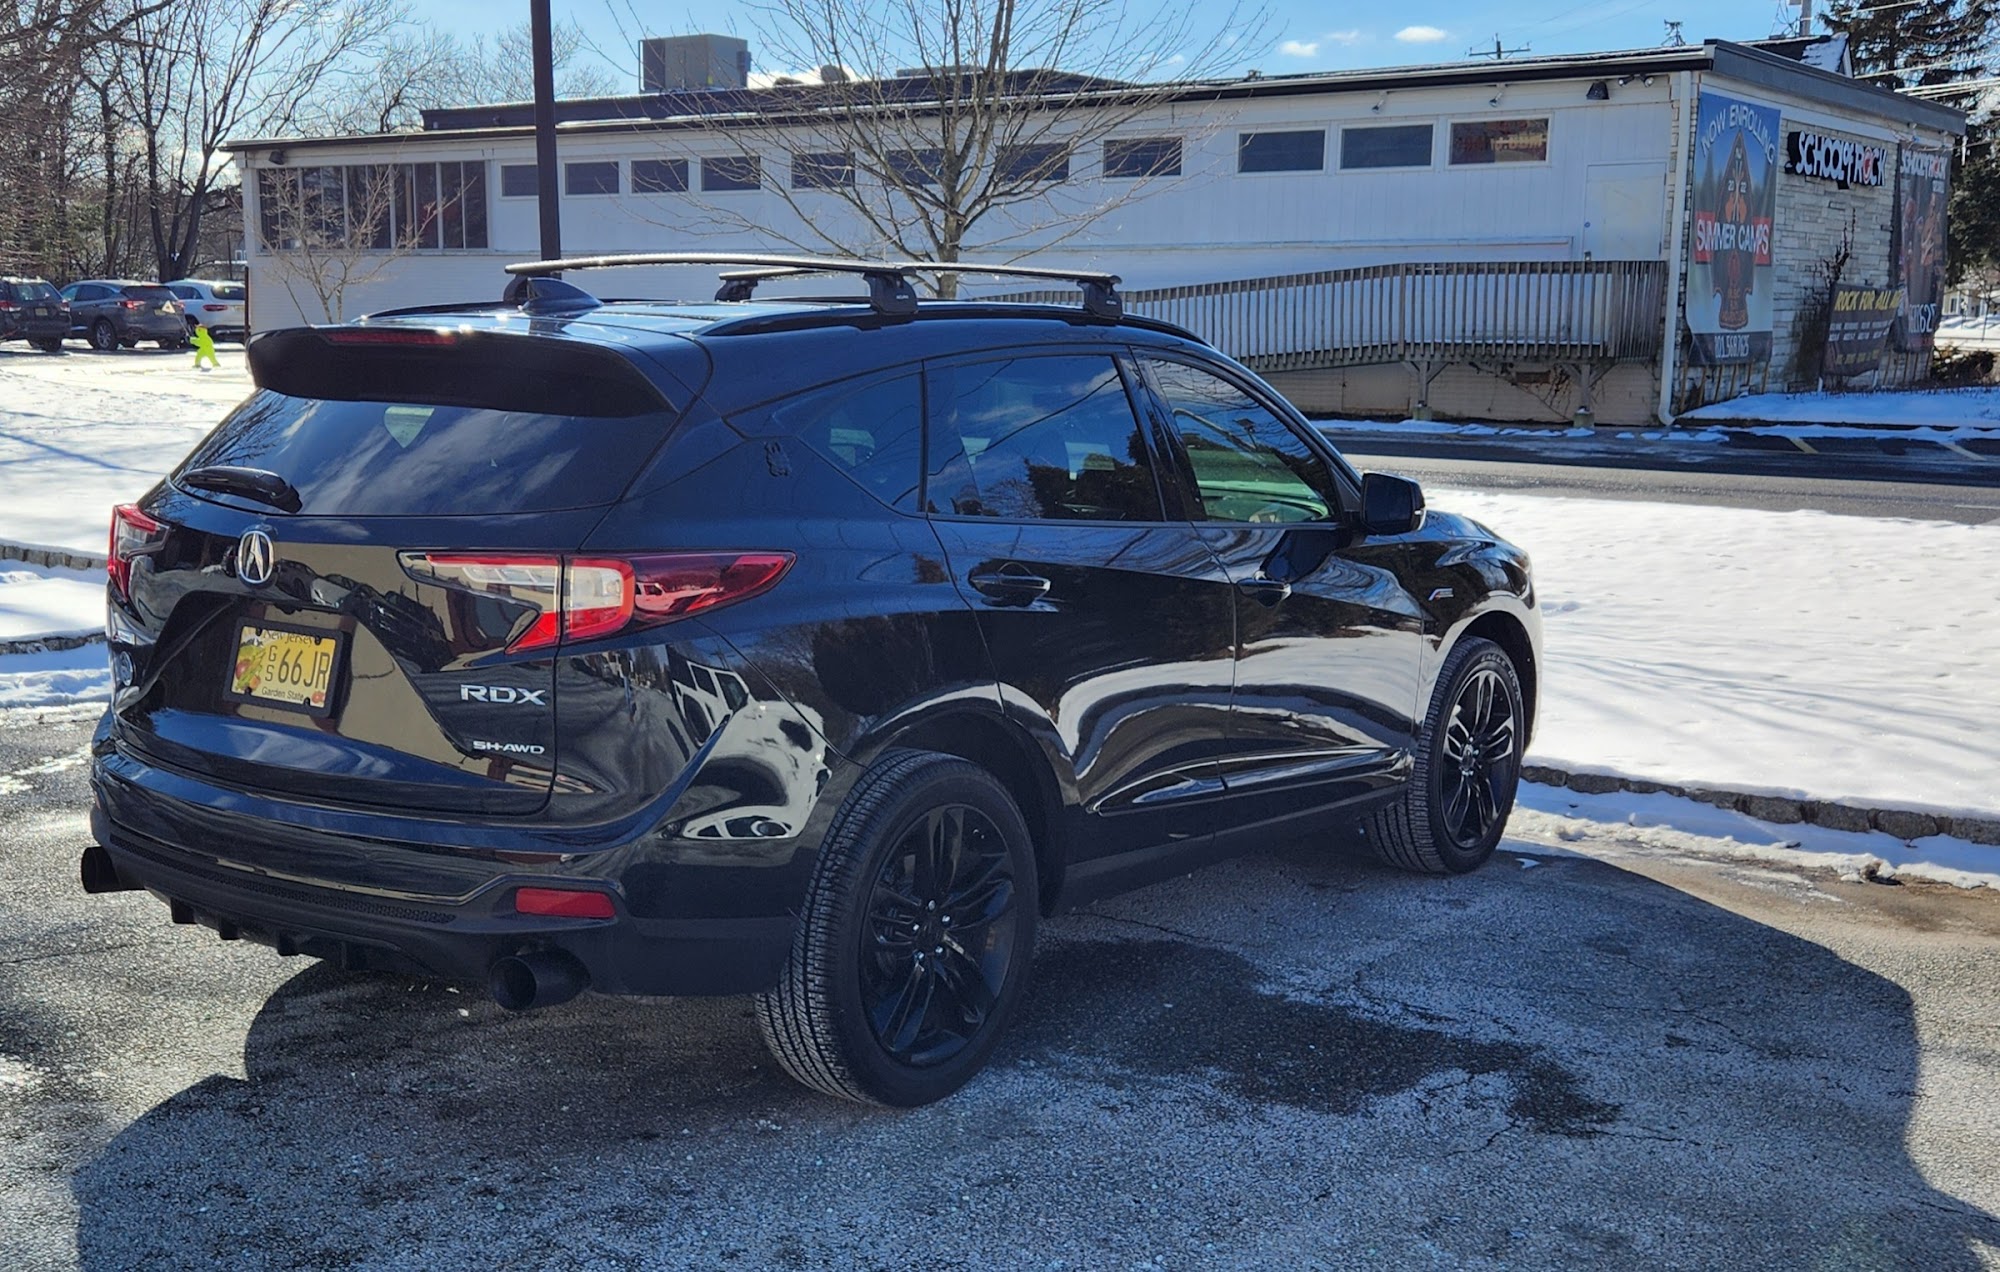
201	71
937	125
418	67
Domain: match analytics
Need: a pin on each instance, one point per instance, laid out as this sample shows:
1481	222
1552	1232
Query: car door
1108	621
1329	642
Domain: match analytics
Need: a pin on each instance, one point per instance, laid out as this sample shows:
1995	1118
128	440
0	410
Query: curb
1903	823
48	644
51	557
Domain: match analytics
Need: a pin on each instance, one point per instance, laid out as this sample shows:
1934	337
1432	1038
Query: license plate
41	313
285	667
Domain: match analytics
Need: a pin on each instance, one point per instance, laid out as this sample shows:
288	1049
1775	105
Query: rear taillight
601	596
133	533
7	306
213	308
131	304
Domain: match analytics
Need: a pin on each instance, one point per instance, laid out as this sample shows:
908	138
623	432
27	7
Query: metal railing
1427	313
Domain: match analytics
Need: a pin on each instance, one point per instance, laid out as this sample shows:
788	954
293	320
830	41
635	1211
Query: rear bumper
457	938
36	329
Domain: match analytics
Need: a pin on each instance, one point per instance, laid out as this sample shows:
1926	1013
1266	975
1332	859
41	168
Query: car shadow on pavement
1296	1058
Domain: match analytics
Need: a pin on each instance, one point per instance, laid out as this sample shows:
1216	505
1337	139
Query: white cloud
1422	34
1299	48
1350	36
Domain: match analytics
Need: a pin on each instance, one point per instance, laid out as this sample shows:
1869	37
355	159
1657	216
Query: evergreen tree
1932	44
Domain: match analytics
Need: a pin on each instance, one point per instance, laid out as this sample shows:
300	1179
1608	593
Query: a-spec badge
256	557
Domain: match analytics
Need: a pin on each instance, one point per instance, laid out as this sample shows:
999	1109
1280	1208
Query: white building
1514	239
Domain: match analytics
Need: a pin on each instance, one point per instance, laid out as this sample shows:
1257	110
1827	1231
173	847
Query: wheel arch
1006	752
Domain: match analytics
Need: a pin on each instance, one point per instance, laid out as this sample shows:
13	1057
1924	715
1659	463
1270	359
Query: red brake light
388	336
131	304
601	596
132	532
564	903
213	308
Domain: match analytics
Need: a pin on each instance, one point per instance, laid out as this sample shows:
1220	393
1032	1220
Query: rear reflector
132	533
602	596
564	903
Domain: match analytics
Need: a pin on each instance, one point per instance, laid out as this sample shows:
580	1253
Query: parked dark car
810	649
114	313
32	310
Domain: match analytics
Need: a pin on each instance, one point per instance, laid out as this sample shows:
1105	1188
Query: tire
839	1019
52	345
103	336
1454	809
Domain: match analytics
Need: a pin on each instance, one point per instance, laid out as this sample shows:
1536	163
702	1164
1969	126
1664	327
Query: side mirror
1390	505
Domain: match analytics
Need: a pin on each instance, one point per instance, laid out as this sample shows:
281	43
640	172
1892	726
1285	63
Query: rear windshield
386	459
29	293
228	291
147	293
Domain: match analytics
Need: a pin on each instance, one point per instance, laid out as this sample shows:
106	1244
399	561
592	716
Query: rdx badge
502	695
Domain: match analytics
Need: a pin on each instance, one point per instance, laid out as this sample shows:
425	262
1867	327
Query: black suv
32	310
811	649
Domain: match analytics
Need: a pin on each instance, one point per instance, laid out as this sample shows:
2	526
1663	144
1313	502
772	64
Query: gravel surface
1297	1059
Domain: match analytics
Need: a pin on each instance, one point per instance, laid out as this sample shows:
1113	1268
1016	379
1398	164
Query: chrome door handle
1009	587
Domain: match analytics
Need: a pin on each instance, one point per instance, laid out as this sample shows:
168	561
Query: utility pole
545	128
1805	18
1497	53
1674	37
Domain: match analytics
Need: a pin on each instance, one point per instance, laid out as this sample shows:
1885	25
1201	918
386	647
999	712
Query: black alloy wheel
1454	807
1479	760
940	941
914	946
103	336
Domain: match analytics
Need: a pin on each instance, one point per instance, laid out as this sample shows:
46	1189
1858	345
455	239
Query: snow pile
1938	408
1790	653
40	601
56	678
85	431
1551	816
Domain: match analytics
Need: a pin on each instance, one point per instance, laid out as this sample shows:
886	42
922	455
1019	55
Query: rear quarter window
412	460
873	433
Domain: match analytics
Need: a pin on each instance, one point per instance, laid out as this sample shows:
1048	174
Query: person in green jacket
204	349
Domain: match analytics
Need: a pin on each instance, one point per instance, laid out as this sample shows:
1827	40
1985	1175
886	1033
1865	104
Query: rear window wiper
250	483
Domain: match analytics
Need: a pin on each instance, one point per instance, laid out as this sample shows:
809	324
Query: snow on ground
1794	653
1562	819
38	601
56	678
84	431
1976	408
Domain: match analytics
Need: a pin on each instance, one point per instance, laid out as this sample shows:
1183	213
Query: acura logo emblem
255	557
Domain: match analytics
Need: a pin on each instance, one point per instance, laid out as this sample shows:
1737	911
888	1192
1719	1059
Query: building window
915	167
590	178
1302	150
1500	141
1042	161
659	176
517	181
1393	146
829	170
409	207
1141	157
731	172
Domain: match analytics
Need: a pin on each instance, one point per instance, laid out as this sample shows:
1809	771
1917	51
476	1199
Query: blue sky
1303	36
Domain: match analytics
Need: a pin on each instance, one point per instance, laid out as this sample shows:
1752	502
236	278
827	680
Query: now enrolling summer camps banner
1735	199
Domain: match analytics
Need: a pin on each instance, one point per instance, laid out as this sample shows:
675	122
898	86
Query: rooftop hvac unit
678	63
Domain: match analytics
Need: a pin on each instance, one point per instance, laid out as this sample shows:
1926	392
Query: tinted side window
1038	438
873	433
1248	464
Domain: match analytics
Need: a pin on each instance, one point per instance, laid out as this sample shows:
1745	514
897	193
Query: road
1921	482
1298	1059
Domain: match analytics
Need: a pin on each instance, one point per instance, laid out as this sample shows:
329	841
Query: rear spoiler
499	371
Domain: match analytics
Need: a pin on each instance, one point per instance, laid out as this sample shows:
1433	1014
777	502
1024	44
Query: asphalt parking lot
1295	1060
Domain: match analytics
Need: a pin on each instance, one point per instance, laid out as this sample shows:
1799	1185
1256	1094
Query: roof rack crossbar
888	281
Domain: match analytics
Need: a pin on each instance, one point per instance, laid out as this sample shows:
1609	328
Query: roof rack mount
889	289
